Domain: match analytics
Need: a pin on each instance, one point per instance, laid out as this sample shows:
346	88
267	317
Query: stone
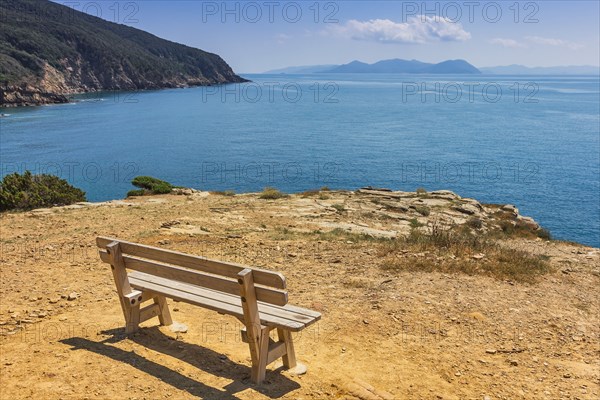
299	369
478	256
491	351
444	194
169	224
72	296
514	363
468	209
178	327
54	300
529	222
510	208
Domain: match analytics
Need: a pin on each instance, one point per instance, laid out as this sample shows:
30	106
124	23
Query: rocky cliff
48	51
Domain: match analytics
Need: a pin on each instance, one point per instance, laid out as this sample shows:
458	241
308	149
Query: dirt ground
383	334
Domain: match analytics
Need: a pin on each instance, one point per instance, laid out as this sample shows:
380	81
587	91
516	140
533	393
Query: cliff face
47	55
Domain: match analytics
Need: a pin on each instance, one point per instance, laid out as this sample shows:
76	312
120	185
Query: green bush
28	191
137	192
152	185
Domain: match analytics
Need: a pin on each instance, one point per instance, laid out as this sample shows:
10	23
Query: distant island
445	67
516	69
44	58
394	66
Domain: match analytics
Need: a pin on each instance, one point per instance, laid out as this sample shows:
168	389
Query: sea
531	141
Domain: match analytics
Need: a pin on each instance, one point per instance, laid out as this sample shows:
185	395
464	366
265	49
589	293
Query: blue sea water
531	141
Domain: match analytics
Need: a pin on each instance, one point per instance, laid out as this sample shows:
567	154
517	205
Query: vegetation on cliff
48	50
149	185
28	191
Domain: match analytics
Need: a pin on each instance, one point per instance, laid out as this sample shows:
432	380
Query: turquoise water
538	148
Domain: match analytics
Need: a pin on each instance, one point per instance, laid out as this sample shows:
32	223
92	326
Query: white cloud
508	43
281	38
418	29
554	42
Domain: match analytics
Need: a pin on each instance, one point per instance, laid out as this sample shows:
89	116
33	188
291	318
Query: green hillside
47	48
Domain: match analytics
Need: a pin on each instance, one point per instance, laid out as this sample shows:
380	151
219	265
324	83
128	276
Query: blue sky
255	36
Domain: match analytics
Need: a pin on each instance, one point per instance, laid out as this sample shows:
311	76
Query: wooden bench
256	297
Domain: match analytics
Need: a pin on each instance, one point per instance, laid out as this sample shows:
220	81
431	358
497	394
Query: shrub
152	185
475	223
28	191
228	193
137	192
339	208
414	223
544	233
423	210
310	193
270	193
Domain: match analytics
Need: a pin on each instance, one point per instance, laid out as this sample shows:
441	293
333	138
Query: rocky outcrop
28	95
447	208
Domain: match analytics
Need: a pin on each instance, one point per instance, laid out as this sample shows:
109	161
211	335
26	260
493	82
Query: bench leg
132	319
164	316
289	358
259	364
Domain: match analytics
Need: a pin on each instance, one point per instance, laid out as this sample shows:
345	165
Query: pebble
178	327
514	363
72	296
491	351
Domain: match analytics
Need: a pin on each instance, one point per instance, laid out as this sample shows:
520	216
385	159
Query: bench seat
257	297
286	317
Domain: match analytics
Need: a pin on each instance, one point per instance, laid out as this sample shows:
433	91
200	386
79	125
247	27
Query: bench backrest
200	271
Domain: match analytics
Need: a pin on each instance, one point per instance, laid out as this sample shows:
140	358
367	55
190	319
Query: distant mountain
306	69
44	56
398	66
523	70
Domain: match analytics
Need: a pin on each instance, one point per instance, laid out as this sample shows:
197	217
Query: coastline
430	208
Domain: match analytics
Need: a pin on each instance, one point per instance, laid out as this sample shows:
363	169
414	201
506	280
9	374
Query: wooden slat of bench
282	317
230	270
197	278
293	313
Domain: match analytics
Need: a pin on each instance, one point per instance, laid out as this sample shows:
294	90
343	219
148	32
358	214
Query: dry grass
228	193
458	251
270	193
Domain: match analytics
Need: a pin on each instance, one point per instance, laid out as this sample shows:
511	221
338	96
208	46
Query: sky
257	36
